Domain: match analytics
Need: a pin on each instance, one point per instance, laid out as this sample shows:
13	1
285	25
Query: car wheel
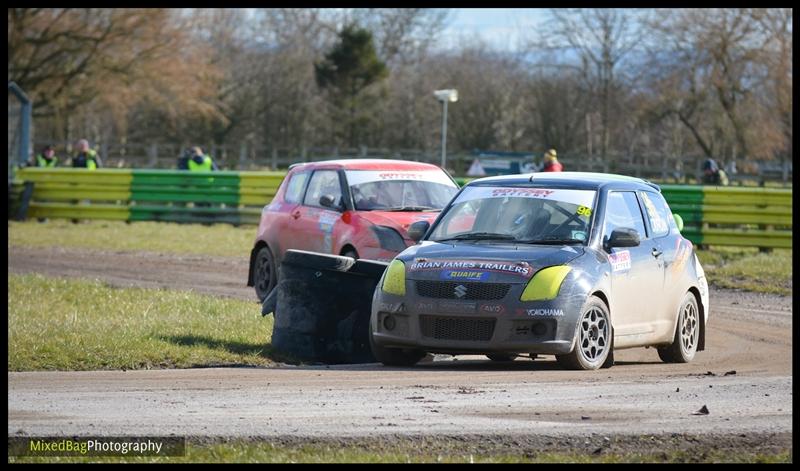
684	346
395	356
264	275
593	340
501	356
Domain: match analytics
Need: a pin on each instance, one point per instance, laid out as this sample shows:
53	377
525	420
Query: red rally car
360	208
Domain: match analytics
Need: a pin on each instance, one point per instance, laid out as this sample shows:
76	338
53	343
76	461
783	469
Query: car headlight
395	280
545	284
389	239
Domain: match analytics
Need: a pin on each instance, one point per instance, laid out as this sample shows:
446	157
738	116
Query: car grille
448	290
457	328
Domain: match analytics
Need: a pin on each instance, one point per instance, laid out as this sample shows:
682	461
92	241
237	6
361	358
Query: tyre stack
322	306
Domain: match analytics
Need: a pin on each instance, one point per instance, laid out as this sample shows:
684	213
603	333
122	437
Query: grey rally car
572	264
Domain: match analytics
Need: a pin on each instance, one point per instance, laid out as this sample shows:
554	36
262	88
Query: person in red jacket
551	163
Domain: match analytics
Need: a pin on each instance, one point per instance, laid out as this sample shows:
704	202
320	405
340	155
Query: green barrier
749	217
737	216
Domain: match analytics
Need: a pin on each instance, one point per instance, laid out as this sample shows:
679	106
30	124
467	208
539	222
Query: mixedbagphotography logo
96	446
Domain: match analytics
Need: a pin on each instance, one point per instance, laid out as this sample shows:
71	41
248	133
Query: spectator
712	174
551	163
195	160
86	157
46	158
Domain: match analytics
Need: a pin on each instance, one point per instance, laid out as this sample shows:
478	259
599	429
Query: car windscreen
528	215
425	190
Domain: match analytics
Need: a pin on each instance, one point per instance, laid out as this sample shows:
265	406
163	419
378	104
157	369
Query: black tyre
593	339
687	333
350	253
395	356
501	356
264	274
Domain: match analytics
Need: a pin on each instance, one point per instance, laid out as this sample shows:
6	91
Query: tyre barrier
322	305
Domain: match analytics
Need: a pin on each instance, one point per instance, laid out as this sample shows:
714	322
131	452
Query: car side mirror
623	237
327	201
417	230
678	221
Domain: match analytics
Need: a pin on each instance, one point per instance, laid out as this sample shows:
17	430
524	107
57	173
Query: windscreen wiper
479	236
550	241
411	208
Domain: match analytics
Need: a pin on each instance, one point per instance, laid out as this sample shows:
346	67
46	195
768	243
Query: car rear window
657	213
294	190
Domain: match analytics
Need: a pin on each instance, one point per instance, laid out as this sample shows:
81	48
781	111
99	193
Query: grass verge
218	239
747	269
59	324
406	452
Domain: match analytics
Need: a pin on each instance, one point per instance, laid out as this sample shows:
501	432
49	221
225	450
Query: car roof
367	164
577	180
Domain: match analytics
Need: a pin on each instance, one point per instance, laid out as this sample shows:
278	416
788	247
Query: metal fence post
242	155
274	158
152	152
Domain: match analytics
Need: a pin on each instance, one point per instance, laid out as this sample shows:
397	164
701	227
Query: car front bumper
476	326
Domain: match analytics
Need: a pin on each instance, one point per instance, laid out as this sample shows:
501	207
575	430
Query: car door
281	221
313	223
636	275
674	253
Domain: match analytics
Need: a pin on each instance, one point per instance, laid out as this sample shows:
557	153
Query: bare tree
602	38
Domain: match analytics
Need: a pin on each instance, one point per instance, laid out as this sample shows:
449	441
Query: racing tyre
687	334
395	356
594	338
264	274
501	357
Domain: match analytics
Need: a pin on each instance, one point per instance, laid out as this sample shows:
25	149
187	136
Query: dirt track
749	333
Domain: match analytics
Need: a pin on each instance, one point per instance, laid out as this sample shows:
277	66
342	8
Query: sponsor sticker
425	307
545	312
529	192
326	221
358	177
492	308
456	306
472	267
582	198
620	261
389	307
681	256
464	275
